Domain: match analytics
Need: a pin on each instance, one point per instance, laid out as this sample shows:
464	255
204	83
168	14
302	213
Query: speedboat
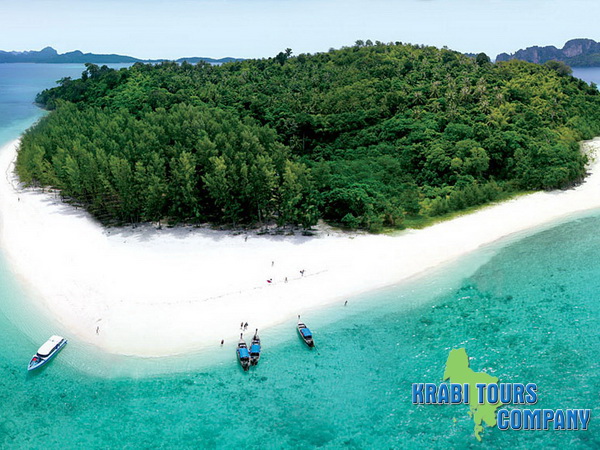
255	349
47	351
305	333
242	353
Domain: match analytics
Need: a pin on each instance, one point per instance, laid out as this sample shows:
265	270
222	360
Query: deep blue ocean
589	74
526	309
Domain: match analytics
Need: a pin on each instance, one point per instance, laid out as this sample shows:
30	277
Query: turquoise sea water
526	310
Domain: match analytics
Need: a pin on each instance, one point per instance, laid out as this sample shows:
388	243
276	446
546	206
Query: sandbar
155	292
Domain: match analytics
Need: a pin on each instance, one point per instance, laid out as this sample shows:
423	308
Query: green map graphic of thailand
458	371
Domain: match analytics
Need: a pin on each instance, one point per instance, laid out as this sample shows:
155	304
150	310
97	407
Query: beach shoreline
148	292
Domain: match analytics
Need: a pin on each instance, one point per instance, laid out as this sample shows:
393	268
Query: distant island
49	55
575	53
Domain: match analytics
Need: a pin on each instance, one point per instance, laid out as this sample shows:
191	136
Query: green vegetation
362	137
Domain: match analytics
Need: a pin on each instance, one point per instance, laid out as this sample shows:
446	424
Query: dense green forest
362	137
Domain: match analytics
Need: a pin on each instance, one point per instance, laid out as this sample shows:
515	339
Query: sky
262	28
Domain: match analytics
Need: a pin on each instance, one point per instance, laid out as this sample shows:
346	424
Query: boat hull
38	361
244	361
243	355
255	351
308	340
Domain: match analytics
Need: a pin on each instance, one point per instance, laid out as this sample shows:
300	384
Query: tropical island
362	137
369	137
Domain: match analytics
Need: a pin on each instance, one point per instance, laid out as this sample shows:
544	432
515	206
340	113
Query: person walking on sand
97	330
242	326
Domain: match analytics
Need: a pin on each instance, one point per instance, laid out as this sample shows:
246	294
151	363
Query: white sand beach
152	292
